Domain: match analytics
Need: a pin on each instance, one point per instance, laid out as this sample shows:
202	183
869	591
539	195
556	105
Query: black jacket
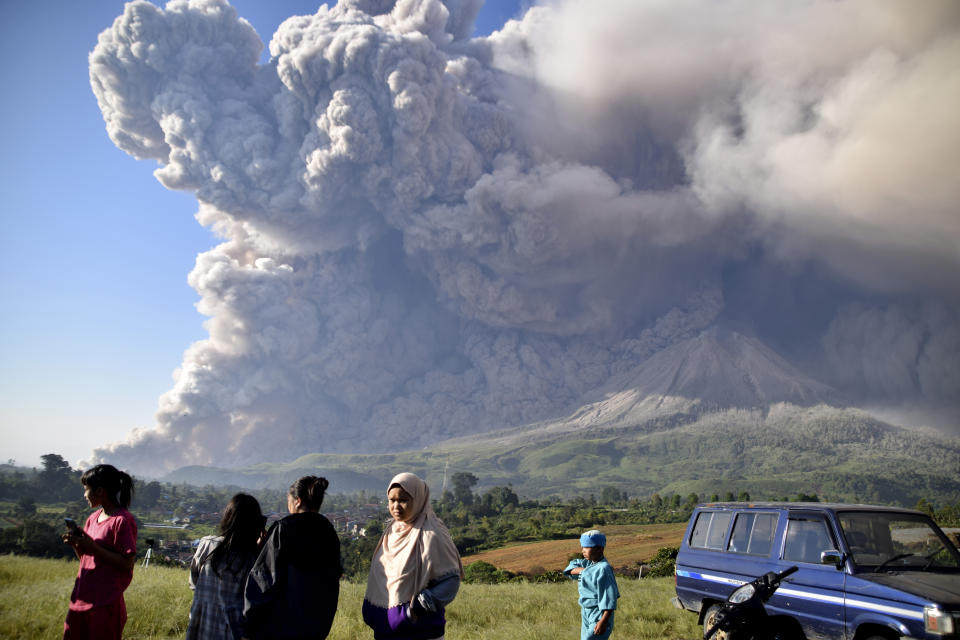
294	585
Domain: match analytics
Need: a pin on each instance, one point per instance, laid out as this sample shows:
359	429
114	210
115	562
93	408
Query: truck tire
708	621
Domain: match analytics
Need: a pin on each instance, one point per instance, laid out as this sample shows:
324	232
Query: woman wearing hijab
294	585
416	569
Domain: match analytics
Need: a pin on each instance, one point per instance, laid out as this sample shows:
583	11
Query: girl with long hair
107	549
293	588
218	572
416	570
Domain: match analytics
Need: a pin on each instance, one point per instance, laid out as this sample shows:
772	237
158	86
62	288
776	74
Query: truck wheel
709	619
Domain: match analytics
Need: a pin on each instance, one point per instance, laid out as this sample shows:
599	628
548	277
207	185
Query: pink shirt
99	583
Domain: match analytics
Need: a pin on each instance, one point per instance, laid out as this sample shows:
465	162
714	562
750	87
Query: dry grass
549	611
627	545
34	594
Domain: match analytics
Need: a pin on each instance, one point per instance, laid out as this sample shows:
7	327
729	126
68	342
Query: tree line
34	502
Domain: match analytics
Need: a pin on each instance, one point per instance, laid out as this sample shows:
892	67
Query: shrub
481	572
664	563
550	576
35	538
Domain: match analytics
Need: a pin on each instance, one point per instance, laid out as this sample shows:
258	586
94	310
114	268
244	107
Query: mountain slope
713	371
719	411
721	368
840	454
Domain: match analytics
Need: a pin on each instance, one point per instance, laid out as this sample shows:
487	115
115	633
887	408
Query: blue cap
593	538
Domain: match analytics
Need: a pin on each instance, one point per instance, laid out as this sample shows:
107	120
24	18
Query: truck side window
753	533
807	536
718	529
699	536
761	539
742	527
710	529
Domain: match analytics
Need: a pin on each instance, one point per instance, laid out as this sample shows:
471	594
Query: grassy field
34	594
627	545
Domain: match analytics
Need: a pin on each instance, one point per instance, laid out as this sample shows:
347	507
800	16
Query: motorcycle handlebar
786	572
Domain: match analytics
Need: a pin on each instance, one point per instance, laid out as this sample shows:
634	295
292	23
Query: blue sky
96	310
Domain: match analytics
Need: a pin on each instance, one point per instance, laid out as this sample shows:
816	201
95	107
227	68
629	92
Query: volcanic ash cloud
426	234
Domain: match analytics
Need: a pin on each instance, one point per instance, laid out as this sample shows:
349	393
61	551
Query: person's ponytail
311	491
318	490
117	484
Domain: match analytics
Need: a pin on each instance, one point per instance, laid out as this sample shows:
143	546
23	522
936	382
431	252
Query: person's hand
80	541
602	624
576	571
600	627
72	538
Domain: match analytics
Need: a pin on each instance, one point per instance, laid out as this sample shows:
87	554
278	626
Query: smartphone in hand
72	526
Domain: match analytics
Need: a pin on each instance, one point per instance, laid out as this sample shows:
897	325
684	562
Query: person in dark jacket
294	585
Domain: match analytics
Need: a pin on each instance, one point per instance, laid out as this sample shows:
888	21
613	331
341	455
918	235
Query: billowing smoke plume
897	352
427	234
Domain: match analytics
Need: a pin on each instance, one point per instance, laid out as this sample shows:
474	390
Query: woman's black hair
118	484
310	490
240	526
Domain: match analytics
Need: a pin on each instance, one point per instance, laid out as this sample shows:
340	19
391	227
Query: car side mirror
832	556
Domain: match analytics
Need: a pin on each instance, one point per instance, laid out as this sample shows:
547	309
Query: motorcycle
743	616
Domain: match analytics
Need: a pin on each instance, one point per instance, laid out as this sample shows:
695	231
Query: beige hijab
413	553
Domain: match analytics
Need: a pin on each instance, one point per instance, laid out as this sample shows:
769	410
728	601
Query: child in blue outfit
597	586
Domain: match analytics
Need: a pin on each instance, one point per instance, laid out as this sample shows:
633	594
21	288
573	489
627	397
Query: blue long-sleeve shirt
597	587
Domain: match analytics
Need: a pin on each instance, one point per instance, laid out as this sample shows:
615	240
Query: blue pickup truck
865	572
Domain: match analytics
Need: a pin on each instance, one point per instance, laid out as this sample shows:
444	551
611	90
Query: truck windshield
882	540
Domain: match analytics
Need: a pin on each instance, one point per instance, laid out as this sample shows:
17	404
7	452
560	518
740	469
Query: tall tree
498	498
463	484
148	494
54	464
57	481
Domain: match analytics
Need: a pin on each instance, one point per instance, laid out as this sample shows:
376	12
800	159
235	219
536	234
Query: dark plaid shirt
217	610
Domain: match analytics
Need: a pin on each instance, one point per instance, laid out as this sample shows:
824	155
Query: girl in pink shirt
107	549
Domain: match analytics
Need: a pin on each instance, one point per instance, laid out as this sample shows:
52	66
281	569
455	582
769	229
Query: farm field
627	546
34	594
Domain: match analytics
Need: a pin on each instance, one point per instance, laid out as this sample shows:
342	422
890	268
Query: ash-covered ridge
720	368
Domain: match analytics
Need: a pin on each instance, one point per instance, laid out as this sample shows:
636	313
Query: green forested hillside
838	454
